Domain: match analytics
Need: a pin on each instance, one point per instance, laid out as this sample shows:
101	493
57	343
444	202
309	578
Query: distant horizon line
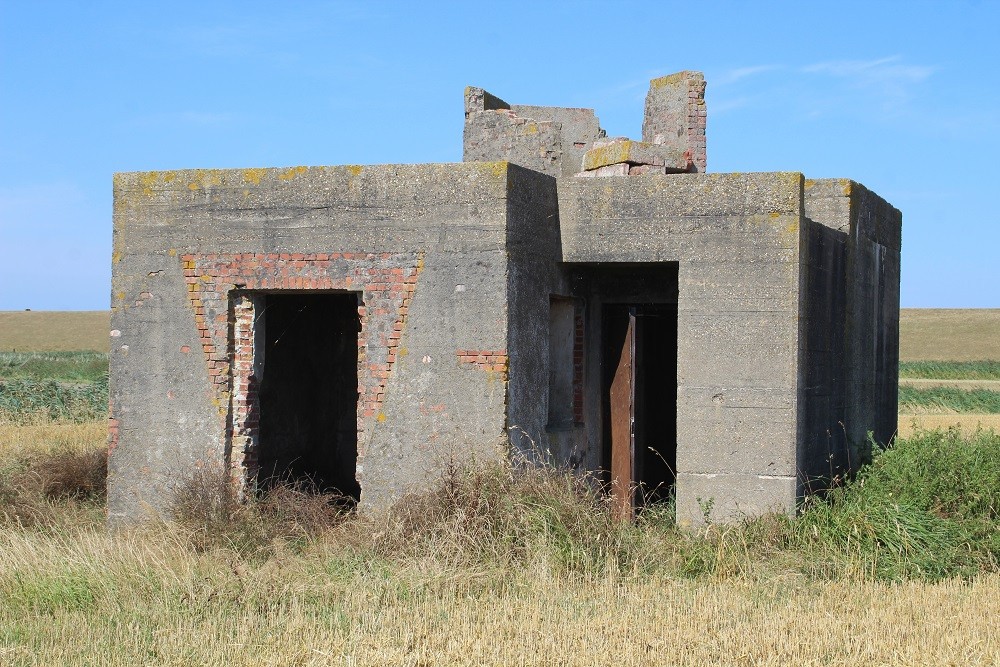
108	310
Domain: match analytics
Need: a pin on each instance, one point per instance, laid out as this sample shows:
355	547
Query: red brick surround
221	291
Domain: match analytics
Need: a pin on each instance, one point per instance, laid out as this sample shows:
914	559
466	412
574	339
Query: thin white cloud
275	35
881	70
187	118
888	84
204	118
734	75
722	106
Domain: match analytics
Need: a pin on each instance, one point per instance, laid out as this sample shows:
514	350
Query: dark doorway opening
308	394
639	389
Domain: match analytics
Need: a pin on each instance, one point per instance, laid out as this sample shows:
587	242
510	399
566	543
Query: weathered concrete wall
503	135
578	130
433	371
552	140
873	270
533	244
851	327
824	452
737	240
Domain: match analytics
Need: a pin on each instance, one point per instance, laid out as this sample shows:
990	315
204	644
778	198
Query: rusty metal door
622	399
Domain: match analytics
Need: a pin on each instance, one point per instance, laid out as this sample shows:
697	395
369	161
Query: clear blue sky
901	96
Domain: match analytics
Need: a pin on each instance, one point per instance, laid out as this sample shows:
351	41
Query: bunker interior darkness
308	395
601	303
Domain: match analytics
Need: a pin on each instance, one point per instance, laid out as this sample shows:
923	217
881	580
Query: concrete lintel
635	152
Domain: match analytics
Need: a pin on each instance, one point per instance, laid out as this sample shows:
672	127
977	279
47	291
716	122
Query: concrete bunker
603	302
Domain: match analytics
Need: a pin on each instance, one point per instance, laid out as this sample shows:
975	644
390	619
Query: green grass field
58	387
61	366
914	400
950	370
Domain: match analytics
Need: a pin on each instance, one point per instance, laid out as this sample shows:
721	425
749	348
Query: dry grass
129	599
489	569
53	475
46	438
928	383
911	423
949	334
51	331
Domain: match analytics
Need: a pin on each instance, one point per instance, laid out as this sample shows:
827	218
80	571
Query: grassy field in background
53	387
943	400
59	366
49	331
949	334
925	334
950	370
910	424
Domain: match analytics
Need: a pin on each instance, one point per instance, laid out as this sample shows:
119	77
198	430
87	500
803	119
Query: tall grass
948	399
47	387
927	508
53	477
63	366
950	370
25	401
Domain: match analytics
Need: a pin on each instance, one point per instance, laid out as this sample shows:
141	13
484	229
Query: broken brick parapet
477	99
676	115
562	141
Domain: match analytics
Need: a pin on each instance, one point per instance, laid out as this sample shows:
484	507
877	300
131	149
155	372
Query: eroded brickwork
697	120
241	431
487	360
